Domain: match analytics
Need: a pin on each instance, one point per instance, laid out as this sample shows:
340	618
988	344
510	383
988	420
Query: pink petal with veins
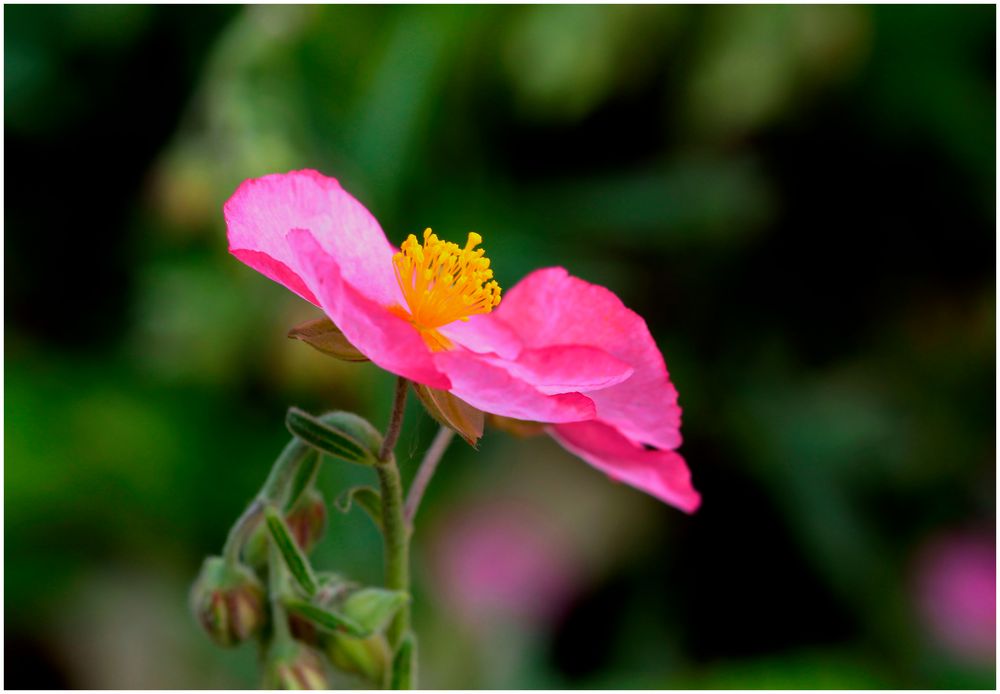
551	307
662	474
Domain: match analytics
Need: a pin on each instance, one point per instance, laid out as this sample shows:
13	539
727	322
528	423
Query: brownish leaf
323	335
452	412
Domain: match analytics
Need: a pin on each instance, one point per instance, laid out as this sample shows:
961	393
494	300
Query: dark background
800	200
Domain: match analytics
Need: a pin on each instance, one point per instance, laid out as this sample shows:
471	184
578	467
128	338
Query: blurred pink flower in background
956	594
503	561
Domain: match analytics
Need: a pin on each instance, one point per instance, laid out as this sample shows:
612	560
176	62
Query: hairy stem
395	421
426	471
397	544
278	590
275	490
395	531
275	487
241	530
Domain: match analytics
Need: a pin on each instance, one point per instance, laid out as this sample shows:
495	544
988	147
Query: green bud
369	657
372	608
293	665
228	602
331	588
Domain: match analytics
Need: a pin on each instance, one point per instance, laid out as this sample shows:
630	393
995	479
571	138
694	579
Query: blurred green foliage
799	199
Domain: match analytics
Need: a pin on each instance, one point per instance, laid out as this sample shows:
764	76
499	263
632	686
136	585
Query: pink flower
502	560
556	350
956	591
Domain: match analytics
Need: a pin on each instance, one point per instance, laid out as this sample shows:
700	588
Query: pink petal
493	389
550	307
567	368
662	474
277	271
386	339
262	211
484	334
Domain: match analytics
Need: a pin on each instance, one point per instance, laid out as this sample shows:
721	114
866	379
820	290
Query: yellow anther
442	283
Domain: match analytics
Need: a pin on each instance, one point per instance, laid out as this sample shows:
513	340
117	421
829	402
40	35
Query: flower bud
307	520
330	591
292	665
228	601
368	657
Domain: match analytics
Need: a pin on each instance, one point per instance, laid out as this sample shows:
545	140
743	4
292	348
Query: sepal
368	657
323	335
520	428
373	608
296	561
325	618
452	412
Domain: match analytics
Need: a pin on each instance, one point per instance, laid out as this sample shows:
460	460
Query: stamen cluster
443	282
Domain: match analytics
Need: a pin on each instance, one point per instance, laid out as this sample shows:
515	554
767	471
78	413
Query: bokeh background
800	200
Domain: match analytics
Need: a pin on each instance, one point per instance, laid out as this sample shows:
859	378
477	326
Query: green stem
240	532
278	591
276	486
274	491
395	530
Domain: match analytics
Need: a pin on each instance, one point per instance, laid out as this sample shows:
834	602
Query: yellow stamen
443	283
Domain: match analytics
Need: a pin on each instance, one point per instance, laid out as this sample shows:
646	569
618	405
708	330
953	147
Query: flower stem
397	544
395	420
240	532
275	487
395	530
278	590
274	491
426	471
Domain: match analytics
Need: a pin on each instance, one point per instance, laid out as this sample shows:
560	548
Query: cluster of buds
263	587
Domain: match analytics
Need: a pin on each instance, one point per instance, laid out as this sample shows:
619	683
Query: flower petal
567	368
262	211
662	474
551	307
387	340
492	389
484	334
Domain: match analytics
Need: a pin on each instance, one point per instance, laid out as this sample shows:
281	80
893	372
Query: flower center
443	283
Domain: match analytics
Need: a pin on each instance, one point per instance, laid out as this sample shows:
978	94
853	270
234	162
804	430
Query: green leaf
295	560
325	618
367	498
404	664
372	608
357	427
304	477
322	334
326	438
